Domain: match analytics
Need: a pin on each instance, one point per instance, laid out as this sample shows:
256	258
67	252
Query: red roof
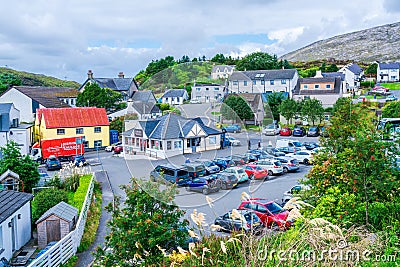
73	117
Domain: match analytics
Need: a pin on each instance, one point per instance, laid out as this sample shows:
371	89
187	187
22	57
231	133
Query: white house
15	221
206	93
175	96
169	135
29	98
388	72
353	75
12	130
221	71
263	81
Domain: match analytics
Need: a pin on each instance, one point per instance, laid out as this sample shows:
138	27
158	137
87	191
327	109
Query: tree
117	124
274	100
288	109
219	58
235	107
258	61
332	68
391	110
147	222
94	96
46	199
24	166
312	110
322	68
371	69
7	80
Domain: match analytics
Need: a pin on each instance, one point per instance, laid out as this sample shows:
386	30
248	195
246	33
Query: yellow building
88	122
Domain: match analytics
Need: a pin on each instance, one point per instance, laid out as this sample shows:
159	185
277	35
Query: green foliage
94	96
391	86
24	166
71	183
332	68
46	199
306	73
258	61
165	106
71	262
148	220
7	80
312	109
274	101
235	107
118	124
81	191
391	110
55	182
372	69
288	109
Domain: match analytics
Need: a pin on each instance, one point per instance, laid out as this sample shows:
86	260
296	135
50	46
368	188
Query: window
169	145
60	131
97	143
255	82
97	129
316	86
207	89
235	82
198	89
305	86
216	89
271	82
177	144
283	81
212	140
79	130
262	82
244	83
328	86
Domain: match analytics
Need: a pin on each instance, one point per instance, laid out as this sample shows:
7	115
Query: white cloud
286	35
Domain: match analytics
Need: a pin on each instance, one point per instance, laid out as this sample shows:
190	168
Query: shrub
46	199
80	193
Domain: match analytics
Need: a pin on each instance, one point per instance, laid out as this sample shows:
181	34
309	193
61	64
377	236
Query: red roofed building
90	122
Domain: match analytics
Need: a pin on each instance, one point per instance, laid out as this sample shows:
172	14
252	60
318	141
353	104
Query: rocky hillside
380	43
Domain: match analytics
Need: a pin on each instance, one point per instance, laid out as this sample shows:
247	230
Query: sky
65	39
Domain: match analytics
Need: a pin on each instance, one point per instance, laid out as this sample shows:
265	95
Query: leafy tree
94	96
391	110
312	110
219	58
117	124
235	107
274	101
310	72
332	68
7	80
371	69
46	199
147	222
24	166
258	61
284	64
288	109
323	67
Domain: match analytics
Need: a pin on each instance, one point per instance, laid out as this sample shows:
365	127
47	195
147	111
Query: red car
255	172
271	214
118	149
285	131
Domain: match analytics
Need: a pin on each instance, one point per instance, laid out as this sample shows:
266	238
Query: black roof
11	201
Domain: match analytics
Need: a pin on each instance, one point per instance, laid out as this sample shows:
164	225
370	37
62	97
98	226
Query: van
195	169
290	143
170	173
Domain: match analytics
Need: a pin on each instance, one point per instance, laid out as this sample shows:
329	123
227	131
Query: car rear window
274	208
294	161
182	173
278	163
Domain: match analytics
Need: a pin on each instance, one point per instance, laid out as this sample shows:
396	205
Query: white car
239	173
293	192
273	166
272	129
303	156
110	148
232	141
195	101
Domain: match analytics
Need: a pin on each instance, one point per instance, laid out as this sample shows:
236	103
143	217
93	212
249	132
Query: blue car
299	131
233	128
205	185
223	163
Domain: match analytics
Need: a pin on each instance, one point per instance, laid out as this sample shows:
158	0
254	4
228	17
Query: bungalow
353	74
140	109
327	89
27	99
263	81
388	72
15	221
222	71
168	136
125	86
175	96
89	122
206	93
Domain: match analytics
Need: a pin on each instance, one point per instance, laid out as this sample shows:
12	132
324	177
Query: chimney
90	74
120	74
318	74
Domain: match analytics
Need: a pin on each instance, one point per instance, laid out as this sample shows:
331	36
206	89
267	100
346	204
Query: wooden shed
9	180
56	223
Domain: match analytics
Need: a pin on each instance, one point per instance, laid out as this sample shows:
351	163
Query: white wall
21	102
23	138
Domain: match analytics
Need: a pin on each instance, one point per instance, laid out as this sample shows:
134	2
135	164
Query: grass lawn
372	97
391	86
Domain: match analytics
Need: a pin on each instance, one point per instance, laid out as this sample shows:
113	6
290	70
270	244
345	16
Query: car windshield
313	129
278	163
297	144
274	208
207	163
271	126
258	168
240	171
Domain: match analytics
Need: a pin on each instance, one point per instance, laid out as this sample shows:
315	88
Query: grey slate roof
354	68
12	201
116	84
61	210
174	93
146	107
48	96
334	74
265	75
336	89
392	65
144	96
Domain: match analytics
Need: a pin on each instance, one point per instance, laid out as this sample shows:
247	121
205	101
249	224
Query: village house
353	75
205	93
388	72
221	72
88	122
27	99
175	96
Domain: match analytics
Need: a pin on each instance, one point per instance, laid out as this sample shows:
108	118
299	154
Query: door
14	234
53	230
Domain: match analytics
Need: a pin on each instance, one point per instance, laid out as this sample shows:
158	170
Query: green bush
46	199
80	193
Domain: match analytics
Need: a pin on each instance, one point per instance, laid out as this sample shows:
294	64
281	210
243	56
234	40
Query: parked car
232	128
272	129
289	143
240	220
313	131
287	149
238	160
224	163
170	173
289	164
391	98
79	160
274	152
294	191
285	131
299	131
274	167
250	157
255	172
111	147
310	145
118	149
271	214
228	180
379	88
195	169
195	101
240	174
205	185
209	165
304	157
232	141
53	163
257	152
